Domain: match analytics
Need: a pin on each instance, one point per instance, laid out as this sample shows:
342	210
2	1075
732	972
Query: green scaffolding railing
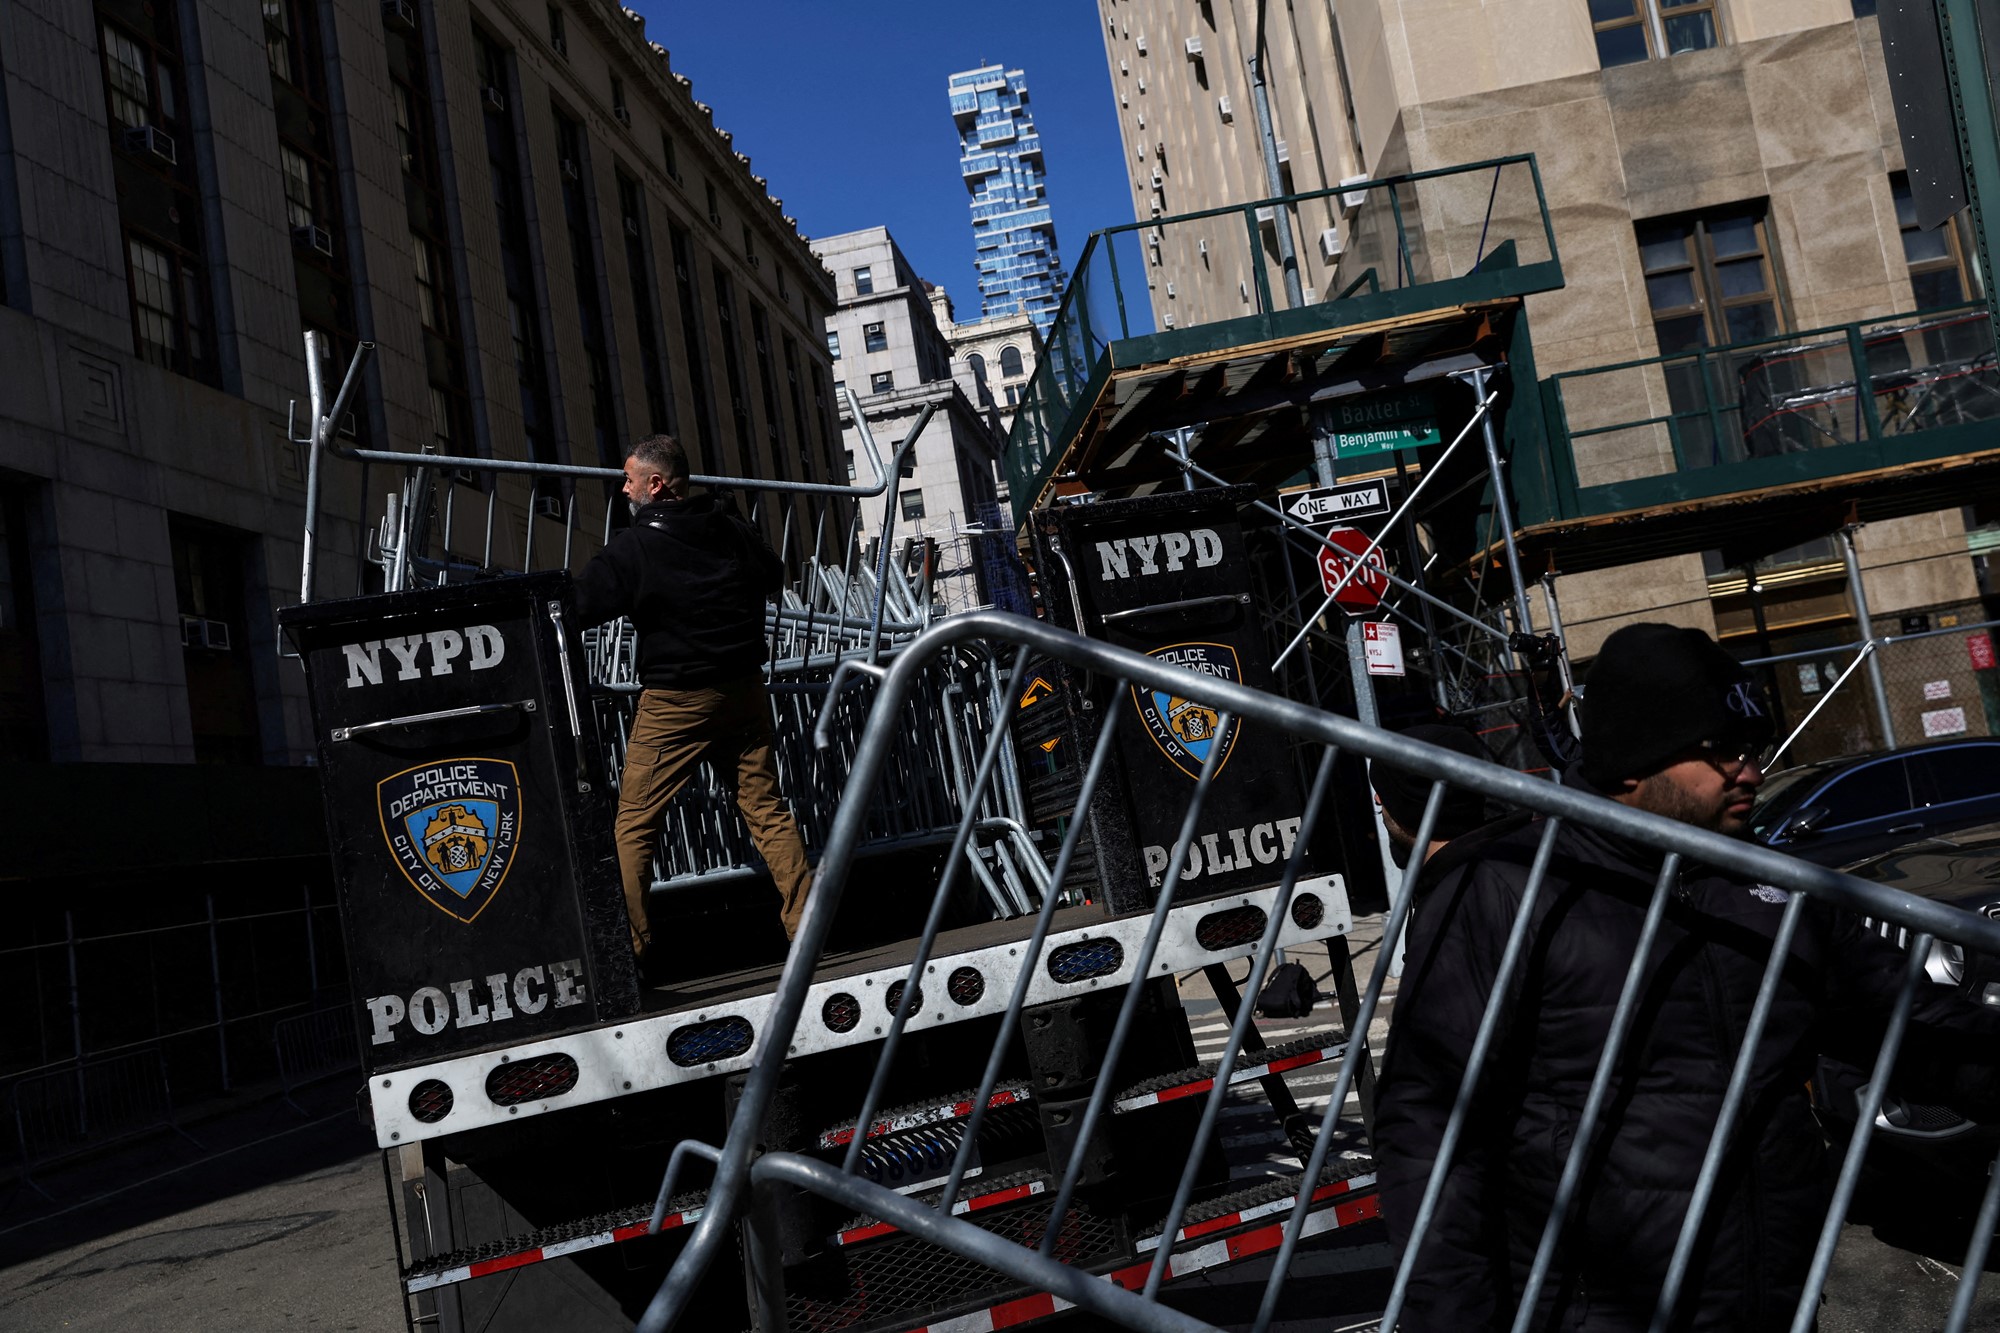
1380	248
1715	421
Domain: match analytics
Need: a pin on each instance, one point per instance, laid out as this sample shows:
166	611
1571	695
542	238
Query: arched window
978	366
1010	362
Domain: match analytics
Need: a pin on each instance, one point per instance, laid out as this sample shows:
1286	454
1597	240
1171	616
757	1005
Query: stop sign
1369	585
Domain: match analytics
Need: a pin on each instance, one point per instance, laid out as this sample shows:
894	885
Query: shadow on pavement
240	1148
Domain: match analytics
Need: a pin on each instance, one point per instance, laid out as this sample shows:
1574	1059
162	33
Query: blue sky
841	105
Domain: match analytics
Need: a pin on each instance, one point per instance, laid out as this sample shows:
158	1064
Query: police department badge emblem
452	826
1183	729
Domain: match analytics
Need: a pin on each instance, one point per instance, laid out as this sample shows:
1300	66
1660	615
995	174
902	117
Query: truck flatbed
746	982
710	1027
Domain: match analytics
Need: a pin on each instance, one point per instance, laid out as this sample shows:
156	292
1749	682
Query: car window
1780	795
1957	772
1870	792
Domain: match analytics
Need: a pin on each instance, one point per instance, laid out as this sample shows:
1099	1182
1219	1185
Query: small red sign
1365	591
1980	645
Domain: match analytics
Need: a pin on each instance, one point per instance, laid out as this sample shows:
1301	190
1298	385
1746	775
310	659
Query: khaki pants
673	731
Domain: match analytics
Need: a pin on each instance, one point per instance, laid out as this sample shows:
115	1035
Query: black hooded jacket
1694	1006
694	578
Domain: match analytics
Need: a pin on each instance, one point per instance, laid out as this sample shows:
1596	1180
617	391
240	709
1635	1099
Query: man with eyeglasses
1675	726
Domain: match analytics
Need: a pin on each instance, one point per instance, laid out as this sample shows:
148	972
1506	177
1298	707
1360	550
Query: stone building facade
993	359
550	243
890	353
1716	171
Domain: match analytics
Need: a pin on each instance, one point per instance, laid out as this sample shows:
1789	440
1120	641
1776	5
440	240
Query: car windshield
1780	794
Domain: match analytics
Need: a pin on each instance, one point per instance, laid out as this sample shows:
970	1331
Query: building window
430	305
1629	31
833	344
1711	281
157	203
1936	257
1013	394
517	254
597	348
714	205
430	242
1709	278
129	80
670	155
166	307
750	245
767	375
882	381
864	281
693	336
977	365
638	268
24	733
801	430
558	31
211	588
618	107
850	463
298	186
1864	9
874	338
732	365
1010	362
913	504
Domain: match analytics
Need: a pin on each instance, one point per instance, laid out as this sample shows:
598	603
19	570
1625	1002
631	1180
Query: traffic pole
1366	711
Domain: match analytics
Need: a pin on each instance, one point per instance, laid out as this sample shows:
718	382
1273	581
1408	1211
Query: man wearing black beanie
1675	726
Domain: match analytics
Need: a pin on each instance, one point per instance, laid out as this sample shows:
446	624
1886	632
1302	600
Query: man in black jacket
1674	726
694	578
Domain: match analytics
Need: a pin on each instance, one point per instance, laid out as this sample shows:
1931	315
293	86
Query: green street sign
1377	410
1408	435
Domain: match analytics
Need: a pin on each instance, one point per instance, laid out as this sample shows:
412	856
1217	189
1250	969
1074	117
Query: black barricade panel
470	826
1167	576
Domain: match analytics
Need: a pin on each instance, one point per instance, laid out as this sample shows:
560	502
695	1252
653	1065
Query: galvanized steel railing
738	1167
844	604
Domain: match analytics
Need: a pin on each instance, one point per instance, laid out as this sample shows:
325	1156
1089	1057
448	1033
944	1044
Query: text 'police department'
447	782
480	645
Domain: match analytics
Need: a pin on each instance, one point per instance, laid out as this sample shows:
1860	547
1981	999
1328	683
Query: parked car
1839	811
1961	869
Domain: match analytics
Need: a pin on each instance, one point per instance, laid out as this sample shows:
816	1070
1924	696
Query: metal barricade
840	608
314	1046
90	1104
1129	1296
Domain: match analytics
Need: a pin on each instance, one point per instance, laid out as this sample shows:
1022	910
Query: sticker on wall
452	827
1937	689
1808	678
1945	722
1183	729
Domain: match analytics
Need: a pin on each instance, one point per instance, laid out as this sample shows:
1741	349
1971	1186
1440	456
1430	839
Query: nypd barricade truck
527	1091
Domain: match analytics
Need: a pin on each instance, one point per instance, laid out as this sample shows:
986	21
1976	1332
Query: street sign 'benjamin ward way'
1382	423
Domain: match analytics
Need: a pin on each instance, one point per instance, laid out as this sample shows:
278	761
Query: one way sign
1331	504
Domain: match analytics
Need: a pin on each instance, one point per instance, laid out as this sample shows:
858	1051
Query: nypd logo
1182	728
452	828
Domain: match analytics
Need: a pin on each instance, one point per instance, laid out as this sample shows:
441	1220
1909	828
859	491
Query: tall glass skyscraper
1000	157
